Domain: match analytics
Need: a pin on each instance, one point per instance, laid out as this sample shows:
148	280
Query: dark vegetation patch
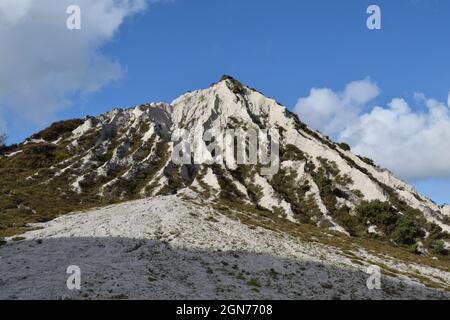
128	188
235	86
4	147
304	207
206	193
175	181
292	153
235	123
369	161
344	146
229	191
404	228
30	192
58	129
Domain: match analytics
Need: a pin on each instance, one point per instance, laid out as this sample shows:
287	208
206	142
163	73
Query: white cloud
413	144
42	62
330	111
14	10
448	99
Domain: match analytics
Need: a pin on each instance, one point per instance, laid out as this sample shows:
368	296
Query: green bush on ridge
344	146
401	228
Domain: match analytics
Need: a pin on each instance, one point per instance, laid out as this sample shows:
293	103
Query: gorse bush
406	231
351	224
295	193
378	213
401	228
344	146
436	233
325	185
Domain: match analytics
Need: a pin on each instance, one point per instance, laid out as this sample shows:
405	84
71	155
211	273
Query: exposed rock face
127	154
446	210
210	230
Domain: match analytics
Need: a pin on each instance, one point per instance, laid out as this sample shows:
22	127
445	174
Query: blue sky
282	48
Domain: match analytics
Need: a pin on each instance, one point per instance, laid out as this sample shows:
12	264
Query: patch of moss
253	283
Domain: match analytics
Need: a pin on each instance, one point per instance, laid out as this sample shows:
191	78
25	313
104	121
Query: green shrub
367	160
36	156
7	148
291	152
344	146
402	229
228	189
438	247
253	283
436	233
324	183
358	193
175	180
446	220
286	185
414	248
378	213
349	222
327	191
329	166
344	180
406	231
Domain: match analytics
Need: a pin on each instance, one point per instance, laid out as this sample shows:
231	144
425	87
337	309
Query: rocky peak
127	154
